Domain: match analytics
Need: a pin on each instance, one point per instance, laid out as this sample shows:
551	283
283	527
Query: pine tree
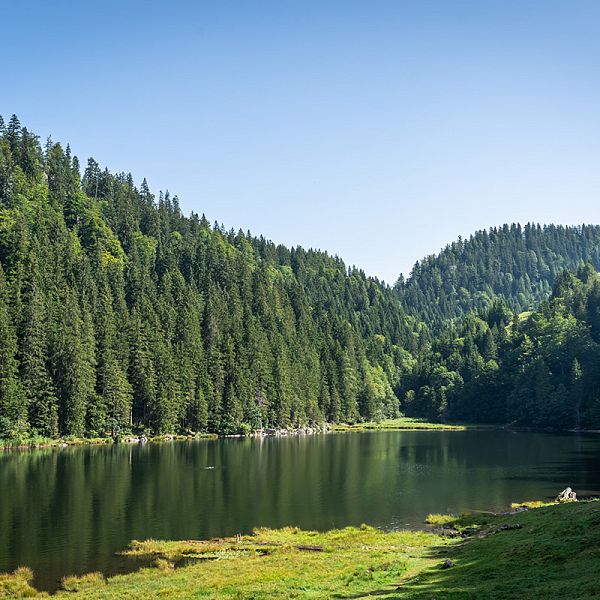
42	401
142	373
576	381
73	369
112	383
13	418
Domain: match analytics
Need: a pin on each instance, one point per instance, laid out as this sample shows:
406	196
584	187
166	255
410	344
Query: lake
68	511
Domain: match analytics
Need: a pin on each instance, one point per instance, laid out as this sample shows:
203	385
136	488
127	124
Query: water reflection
68	511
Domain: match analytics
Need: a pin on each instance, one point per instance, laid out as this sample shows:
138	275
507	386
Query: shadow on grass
437	583
440	553
550	552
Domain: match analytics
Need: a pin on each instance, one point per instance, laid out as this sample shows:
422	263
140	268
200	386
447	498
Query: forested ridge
516	263
117	311
536	369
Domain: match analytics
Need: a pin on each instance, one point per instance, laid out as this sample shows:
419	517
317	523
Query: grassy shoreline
409	424
32	444
400	424
540	551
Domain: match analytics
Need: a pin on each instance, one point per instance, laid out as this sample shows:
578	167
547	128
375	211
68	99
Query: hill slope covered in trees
117	311
513	263
539	369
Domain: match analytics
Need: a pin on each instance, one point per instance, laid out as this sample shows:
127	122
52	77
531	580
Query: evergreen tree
13	418
38	385
117	312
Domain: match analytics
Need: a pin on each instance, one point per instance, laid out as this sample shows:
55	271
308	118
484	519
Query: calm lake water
65	511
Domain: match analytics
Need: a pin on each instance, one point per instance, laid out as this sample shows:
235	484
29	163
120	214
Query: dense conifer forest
537	369
515	263
119	313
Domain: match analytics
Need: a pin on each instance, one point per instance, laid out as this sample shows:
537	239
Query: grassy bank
42	442
402	423
406	424
547	552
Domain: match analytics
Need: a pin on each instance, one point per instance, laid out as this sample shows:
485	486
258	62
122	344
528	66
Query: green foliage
119	313
542	371
517	264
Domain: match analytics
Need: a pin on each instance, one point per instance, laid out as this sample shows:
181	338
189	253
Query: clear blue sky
375	130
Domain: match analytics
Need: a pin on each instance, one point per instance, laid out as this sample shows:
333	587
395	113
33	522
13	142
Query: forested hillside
514	263
118	311
539	369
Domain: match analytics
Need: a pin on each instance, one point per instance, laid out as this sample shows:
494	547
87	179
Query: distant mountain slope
518	264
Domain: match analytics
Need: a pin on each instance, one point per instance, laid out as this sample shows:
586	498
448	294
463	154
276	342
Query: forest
536	369
516	263
118	313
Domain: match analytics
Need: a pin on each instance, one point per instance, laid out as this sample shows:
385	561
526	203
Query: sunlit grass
437	519
405	423
18	584
77	584
282	563
530	504
44	442
549	552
